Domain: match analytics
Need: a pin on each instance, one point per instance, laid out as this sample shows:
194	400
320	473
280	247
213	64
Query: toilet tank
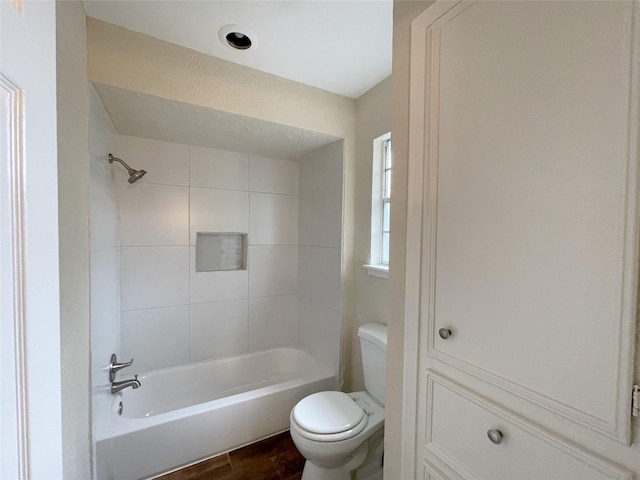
373	344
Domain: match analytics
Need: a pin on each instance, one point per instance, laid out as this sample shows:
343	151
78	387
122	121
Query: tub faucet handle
114	366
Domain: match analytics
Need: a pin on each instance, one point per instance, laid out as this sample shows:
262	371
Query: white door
31	439
524	128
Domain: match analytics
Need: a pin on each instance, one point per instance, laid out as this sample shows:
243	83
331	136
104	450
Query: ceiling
340	46
147	116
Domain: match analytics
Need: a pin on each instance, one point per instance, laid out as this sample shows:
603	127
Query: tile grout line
189	239
248	342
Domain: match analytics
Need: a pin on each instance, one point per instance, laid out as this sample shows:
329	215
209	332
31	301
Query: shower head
134	175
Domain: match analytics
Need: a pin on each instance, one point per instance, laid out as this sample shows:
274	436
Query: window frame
380	196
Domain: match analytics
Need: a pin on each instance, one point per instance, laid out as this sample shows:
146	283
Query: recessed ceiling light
237	37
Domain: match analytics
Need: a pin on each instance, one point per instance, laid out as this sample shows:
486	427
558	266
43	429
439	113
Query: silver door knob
444	333
495	436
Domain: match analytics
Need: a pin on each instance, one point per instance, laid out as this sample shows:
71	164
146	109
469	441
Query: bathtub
183	414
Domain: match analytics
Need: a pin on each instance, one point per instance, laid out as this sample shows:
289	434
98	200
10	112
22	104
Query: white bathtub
186	413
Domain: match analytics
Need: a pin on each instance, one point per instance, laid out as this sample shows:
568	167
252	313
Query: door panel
30	418
530	218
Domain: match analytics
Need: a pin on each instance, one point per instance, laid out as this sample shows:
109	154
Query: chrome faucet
114	366
117	386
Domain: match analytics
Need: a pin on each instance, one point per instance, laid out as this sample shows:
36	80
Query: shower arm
112	159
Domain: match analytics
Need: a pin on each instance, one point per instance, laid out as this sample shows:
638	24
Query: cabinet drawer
457	433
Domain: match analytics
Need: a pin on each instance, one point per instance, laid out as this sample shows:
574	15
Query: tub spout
117	386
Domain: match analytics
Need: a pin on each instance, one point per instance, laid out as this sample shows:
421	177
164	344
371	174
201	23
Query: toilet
340	433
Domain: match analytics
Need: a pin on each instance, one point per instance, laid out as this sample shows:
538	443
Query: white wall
373	118
73	206
172	314
320	264
404	11
105	260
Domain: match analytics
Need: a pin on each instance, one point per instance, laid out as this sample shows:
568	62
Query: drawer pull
495	436
444	333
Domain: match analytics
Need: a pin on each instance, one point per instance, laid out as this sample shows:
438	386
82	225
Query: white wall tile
219	329
305	172
305	270
155	338
273	322
214	210
166	163
100	356
273	175
103	206
154	277
104	257
273	270
321	198
220	319
105	314
218	169
326	287
152	214
105	297
305	221
319	333
273	219
327	216
328	166
214	286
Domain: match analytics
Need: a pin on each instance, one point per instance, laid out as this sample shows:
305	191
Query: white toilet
338	432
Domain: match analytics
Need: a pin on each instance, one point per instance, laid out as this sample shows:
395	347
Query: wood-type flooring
274	458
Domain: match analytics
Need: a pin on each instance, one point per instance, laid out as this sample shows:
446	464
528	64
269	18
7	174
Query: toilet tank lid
376	333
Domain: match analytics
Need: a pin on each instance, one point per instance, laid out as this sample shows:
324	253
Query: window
380	207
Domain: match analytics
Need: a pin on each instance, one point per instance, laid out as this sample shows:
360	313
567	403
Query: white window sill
380	271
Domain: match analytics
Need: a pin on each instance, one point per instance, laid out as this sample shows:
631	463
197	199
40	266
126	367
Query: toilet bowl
337	432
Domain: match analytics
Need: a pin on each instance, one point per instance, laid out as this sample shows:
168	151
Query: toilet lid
327	413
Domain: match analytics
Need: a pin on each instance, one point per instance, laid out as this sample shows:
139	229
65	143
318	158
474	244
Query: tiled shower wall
320	292
171	314
105	257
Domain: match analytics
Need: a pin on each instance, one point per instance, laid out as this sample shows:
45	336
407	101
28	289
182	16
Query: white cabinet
523	212
481	440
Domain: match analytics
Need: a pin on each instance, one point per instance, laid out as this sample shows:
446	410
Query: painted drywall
373	118
125	59
147	116
342	47
404	11
73	207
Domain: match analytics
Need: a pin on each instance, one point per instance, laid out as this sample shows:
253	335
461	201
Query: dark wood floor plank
288	463
269	447
274	458
212	468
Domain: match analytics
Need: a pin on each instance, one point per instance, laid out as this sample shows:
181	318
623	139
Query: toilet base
366	464
313	472
368	472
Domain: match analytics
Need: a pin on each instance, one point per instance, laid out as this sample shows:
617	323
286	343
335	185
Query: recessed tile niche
220	251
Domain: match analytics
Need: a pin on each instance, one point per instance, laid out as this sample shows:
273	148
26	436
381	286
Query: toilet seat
328	417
